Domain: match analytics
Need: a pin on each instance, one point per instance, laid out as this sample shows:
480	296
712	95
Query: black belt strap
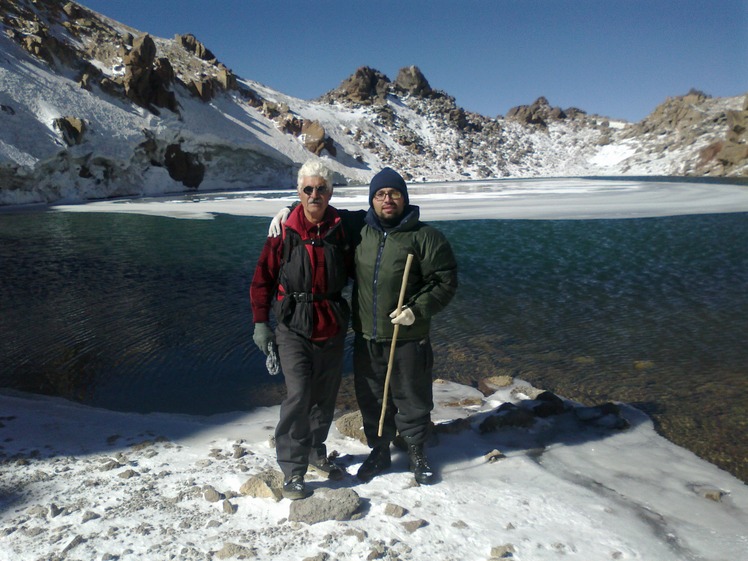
309	297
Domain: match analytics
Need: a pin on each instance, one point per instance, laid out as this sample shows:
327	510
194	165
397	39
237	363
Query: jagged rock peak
192	45
539	113
681	110
412	80
365	86
368	86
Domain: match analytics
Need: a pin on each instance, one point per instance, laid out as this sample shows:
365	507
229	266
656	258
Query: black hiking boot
295	488
326	468
419	465
379	460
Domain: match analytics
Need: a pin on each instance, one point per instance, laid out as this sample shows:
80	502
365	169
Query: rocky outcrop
539	113
723	156
71	129
192	45
311	132
147	81
203	86
411	80
366	86
35	37
675	113
712	135
325	504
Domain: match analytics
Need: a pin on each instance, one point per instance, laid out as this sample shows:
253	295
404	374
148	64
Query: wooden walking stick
400	301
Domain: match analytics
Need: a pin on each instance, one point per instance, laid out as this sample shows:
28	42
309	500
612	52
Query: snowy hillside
90	108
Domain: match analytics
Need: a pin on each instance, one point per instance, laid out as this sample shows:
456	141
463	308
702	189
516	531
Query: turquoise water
145	313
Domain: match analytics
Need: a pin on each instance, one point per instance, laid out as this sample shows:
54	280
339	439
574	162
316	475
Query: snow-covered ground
81	483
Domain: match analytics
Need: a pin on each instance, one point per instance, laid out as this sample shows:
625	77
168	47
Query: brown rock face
71	128
313	136
412	80
146	82
539	113
192	45
366	86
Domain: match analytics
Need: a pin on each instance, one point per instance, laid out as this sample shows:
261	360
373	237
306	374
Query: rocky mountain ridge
93	108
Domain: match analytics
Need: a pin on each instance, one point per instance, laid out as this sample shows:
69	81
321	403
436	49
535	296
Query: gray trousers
312	373
410	395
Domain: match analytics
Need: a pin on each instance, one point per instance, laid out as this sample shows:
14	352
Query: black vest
295	307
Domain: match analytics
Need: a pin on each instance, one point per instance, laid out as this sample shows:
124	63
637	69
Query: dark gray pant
312	372
410	395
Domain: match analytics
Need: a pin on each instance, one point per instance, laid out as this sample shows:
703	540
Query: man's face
388	205
315	196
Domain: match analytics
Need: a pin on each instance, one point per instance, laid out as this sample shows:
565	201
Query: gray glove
263	336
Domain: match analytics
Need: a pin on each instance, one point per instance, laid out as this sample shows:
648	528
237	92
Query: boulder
313	136
351	425
411	80
71	128
325	504
267	485
235	550
507	415
490	385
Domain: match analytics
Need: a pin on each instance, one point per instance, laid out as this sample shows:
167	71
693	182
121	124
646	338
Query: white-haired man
300	275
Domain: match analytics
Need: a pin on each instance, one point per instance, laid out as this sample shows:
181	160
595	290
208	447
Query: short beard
390	222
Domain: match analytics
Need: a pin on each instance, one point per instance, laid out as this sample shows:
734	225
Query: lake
148	313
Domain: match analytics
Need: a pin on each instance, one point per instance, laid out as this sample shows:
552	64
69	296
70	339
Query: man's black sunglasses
320	190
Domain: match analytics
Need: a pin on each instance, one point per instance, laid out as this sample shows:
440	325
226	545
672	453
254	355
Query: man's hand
263	336
276	224
405	317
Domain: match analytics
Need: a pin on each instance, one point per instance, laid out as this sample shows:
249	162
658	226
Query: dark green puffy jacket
380	264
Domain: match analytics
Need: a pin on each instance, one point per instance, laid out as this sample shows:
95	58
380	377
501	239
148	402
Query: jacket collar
298	222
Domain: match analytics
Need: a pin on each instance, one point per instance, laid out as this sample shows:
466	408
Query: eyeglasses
322	190
393	194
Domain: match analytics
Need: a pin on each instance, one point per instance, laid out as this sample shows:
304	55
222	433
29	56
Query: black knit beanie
388	178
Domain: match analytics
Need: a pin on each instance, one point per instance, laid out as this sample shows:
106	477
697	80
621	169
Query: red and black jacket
301	275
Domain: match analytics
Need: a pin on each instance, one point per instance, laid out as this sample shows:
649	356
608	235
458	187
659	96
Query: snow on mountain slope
91	108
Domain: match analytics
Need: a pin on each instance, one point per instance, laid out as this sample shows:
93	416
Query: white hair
314	168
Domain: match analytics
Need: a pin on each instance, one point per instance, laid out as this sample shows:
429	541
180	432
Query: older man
300	275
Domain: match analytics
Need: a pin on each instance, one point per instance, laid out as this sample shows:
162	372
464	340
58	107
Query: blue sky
619	58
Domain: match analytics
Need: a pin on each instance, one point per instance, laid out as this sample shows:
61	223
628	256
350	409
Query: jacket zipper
374	287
